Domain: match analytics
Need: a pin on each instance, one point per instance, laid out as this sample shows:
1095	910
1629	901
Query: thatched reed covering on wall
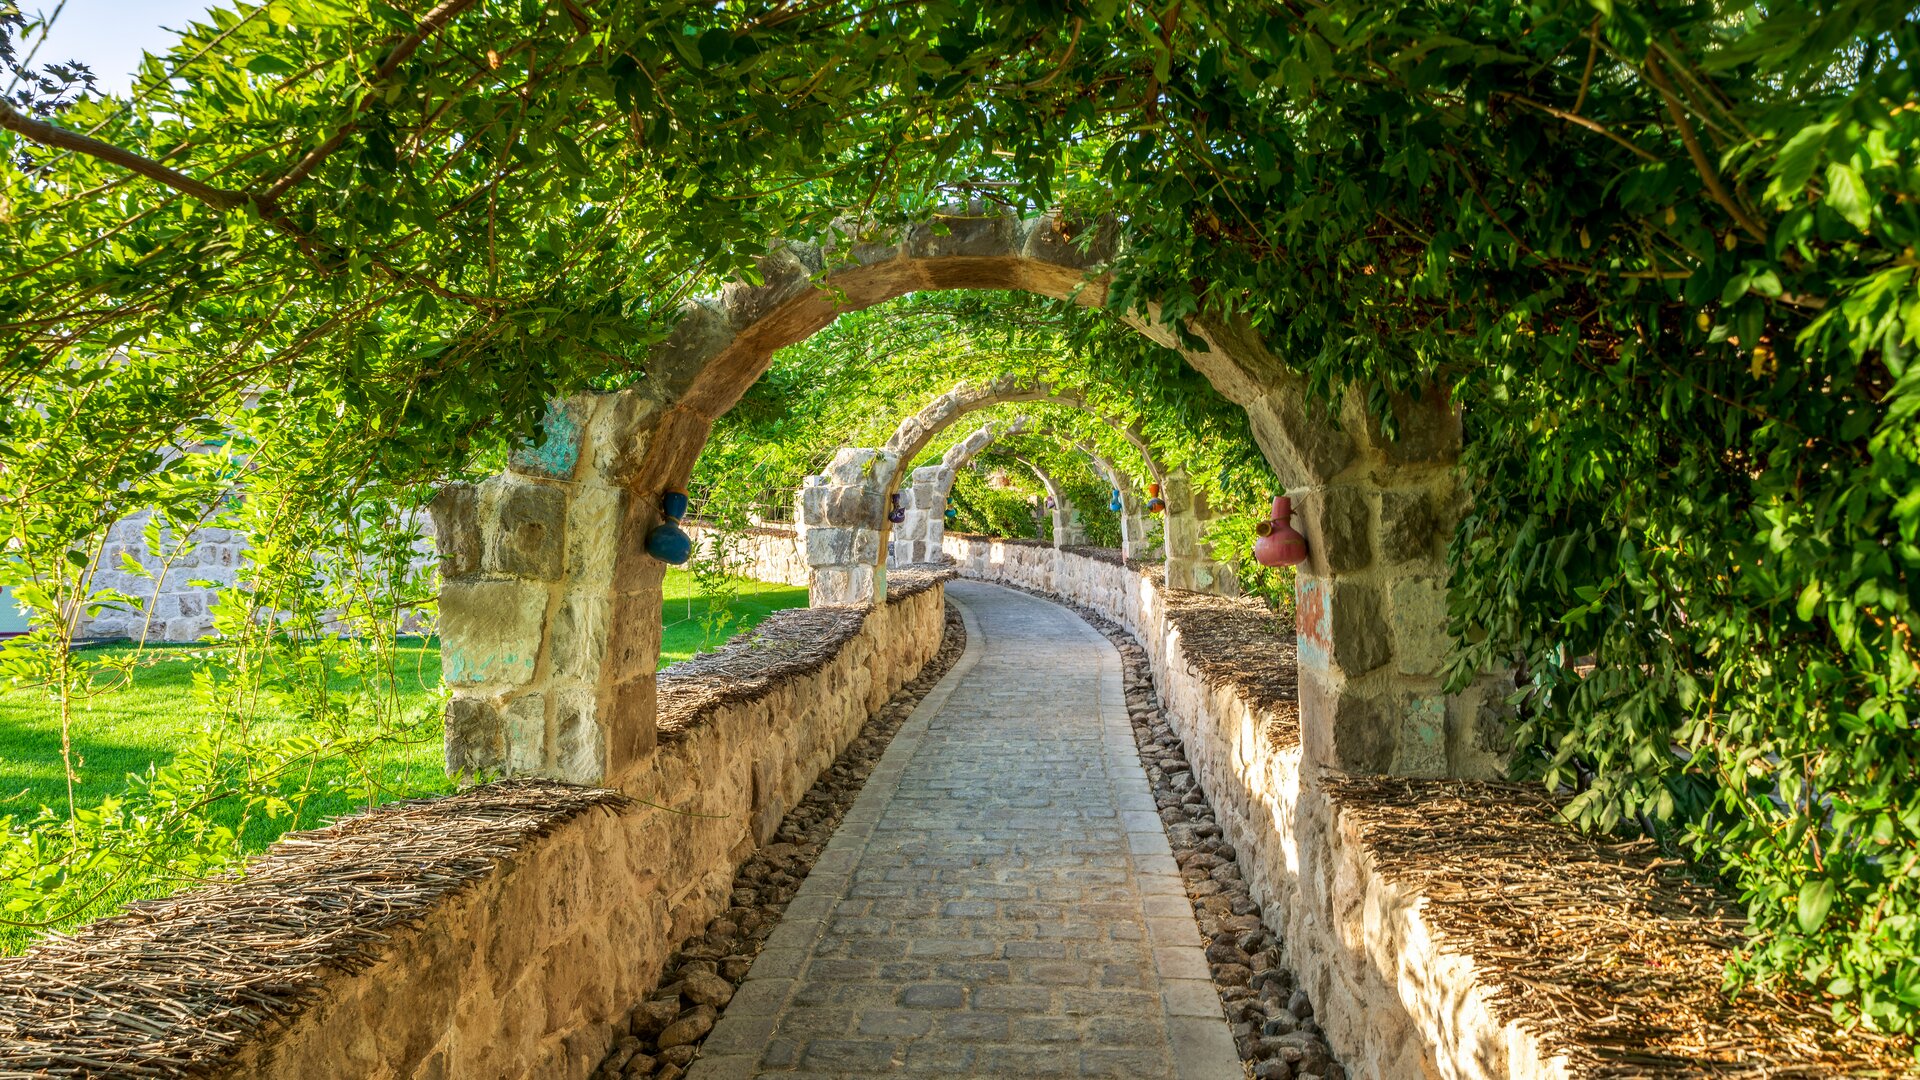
1239	642
786	646
1605	950
174	987
1113	556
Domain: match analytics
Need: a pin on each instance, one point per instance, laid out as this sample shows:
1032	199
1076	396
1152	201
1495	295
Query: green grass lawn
128	730
144	725
682	635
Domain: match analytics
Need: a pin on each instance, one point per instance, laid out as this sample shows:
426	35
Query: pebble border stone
665	1031
1271	1016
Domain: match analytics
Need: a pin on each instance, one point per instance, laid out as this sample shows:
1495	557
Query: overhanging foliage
1662	255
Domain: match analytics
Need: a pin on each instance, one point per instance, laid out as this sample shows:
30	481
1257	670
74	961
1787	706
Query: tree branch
1581	121
1708	173
47	134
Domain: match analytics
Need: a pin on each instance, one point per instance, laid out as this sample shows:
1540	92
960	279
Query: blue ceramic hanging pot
667	541
1116	506
899	513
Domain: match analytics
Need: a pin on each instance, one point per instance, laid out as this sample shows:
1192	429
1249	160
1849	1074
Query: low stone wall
497	933
766	553
178	608
1392	1002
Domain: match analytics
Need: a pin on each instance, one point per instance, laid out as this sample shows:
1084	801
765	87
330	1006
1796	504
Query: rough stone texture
764	553
1190	563
549	607
1393	1002
513	977
1001	900
841	518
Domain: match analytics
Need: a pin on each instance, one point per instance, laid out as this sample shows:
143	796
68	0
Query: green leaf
270	65
1847	194
1809	601
1794	166
1815	898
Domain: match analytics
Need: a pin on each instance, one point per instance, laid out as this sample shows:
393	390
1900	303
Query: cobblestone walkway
1001	900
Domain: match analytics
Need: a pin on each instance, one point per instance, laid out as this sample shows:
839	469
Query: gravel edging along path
665	1031
1271	1016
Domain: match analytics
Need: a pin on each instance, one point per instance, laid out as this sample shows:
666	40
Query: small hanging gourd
899	512
1115	504
1279	543
1155	504
667	541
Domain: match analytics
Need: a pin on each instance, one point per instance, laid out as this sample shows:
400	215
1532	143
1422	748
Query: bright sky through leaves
110	35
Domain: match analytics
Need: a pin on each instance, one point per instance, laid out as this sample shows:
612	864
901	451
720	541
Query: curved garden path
1001	900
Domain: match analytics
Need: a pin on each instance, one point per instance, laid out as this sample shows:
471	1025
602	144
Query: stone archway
551	608
919	537
1059	506
841	506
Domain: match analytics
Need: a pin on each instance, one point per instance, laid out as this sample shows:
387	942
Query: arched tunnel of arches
551	610
850	540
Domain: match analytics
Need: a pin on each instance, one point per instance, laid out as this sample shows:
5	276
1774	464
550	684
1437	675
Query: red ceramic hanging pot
1279	543
1155	503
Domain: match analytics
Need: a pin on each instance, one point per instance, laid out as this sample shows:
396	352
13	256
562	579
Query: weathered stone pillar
841	520
1371	598
917	539
1190	563
1135	532
549	609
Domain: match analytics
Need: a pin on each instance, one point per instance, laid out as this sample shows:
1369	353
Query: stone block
1427	430
1337	524
456	530
596	514
1358	631
1183	536
841	585
1409	529
620	428
579	640
1304	442
1074	244
829	546
525	734
579	744
1364	734
840	505
705	327
491	630
1417	608
862	466
475	737
866	545
525	536
1479	723
1421	746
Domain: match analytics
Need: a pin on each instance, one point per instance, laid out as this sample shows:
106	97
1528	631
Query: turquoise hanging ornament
667	541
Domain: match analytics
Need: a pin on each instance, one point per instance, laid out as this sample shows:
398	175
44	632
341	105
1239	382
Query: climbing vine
1662	255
